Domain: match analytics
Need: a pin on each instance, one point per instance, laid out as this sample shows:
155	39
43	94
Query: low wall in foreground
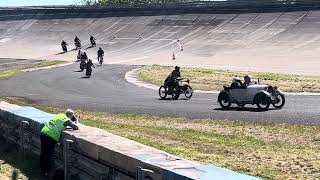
97	154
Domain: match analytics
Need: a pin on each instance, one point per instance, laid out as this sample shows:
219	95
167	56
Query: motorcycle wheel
189	91
175	93
162	92
280	101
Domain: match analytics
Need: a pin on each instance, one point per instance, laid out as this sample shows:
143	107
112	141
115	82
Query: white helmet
69	113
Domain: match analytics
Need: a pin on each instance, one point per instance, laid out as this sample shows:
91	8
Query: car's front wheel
279	102
263	102
224	100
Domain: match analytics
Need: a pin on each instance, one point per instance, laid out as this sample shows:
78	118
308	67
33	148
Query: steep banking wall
97	154
255	41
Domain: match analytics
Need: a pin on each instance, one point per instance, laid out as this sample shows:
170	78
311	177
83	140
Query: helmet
247	79
177	68
69	113
100	48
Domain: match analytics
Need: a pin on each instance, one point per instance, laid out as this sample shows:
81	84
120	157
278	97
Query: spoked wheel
189	92
224	100
162	92
279	102
175	93
263	103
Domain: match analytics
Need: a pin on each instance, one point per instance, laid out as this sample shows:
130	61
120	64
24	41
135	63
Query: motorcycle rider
79	55
77	41
100	55
64	46
171	80
92	41
83	59
89	66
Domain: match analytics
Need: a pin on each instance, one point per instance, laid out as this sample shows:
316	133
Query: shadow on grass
28	166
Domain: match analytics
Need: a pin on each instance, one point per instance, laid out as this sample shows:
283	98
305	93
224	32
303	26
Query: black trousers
47	149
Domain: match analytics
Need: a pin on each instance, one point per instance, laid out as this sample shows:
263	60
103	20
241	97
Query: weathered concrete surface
97	154
276	41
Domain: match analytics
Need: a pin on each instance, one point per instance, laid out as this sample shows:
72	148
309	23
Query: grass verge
267	150
211	79
28	168
15	71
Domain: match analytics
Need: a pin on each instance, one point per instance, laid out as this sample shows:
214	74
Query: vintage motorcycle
182	87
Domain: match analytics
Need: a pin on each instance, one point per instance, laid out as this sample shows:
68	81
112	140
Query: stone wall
97	154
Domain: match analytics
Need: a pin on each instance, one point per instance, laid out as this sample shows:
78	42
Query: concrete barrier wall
97	154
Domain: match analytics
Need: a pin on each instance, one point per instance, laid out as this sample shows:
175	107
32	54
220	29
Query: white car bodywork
261	95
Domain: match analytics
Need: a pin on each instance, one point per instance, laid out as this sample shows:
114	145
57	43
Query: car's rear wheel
279	102
189	92
263	102
224	100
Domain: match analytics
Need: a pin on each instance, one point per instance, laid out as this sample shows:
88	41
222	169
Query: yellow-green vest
55	126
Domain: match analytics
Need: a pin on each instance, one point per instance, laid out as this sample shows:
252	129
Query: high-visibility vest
55	126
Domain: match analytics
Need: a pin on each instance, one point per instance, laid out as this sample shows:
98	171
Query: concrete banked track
278	40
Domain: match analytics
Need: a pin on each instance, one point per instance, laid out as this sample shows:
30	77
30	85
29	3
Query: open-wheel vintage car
256	94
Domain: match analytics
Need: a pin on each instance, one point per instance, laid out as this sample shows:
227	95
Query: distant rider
77	42
171	80
83	59
79	55
92	41
100	55
89	66
64	46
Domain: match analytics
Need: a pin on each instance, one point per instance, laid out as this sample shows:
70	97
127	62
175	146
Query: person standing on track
51	134
100	55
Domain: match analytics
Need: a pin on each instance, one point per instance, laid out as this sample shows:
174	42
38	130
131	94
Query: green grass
267	150
27	167
15	71
211	79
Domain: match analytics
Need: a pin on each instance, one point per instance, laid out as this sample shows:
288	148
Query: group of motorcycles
77	44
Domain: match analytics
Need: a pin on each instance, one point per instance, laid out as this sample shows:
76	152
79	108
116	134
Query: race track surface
108	91
280	41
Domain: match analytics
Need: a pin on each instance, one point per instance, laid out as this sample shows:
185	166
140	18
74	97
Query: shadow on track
89	47
247	109
170	99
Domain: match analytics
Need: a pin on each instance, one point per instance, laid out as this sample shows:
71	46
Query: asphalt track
107	90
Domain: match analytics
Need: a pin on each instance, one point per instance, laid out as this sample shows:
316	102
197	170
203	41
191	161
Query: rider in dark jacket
76	40
171	79
64	45
89	66
92	40
100	55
